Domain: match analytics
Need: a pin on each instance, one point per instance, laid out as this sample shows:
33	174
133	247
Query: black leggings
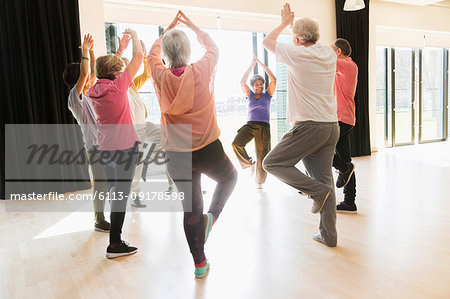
119	167
186	170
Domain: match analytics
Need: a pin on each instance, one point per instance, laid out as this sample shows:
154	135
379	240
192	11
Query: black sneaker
121	249
345	208
344	178
137	203
102	226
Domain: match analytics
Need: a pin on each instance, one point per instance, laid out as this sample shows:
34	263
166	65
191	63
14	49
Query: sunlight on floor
73	223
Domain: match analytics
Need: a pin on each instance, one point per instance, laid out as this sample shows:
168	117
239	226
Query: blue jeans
119	167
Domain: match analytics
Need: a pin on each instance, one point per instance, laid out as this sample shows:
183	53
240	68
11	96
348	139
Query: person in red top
344	91
117	137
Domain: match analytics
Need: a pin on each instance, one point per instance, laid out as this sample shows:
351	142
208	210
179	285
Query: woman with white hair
189	130
258	124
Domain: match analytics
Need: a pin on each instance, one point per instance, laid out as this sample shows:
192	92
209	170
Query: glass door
403	96
433	110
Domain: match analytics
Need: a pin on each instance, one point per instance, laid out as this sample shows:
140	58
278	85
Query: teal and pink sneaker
208	221
200	272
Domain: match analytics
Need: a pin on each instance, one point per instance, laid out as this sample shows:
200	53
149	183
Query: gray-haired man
311	109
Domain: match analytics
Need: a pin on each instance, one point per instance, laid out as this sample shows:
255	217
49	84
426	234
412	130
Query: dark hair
344	45
71	74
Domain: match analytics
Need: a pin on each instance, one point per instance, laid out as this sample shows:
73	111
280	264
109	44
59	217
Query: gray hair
307	30
176	47
256	78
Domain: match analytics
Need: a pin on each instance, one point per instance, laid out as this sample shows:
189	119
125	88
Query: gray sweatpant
314	143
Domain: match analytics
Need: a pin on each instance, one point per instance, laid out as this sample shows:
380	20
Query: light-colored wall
92	21
250	15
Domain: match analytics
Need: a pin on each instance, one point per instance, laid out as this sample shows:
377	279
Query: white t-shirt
138	111
311	72
84	113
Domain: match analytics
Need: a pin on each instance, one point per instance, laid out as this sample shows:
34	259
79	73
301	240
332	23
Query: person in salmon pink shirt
190	134
117	137
345	83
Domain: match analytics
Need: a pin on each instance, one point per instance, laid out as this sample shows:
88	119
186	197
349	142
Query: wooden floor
397	246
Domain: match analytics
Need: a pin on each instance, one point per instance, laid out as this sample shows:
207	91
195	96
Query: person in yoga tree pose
311	109
258	124
189	130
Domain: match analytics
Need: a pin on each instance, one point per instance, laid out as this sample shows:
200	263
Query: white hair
256	78
307	30
176	47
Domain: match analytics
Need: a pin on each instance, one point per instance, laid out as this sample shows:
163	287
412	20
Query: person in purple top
258	124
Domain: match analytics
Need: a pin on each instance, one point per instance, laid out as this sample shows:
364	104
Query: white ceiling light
351	5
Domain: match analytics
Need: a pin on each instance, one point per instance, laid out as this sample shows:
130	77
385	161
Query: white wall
92	21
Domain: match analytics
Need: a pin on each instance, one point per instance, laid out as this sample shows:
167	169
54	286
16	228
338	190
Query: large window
381	92
236	53
432	101
407	76
403	97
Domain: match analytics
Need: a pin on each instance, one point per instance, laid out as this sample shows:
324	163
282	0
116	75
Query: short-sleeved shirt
259	109
344	90
83	111
116	130
311	72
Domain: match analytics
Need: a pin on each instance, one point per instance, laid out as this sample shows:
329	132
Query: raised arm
92	77
84	65
212	51
154	59
186	21
287	19
123	44
142	78
244	79
272	78
138	56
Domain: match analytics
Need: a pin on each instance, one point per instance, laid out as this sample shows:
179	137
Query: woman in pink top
117	137
189	130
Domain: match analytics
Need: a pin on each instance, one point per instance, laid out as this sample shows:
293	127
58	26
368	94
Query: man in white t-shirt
311	109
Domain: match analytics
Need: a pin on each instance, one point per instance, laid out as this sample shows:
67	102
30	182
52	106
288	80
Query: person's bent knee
236	144
230	180
267	164
233	175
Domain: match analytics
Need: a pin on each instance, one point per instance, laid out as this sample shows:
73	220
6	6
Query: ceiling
445	3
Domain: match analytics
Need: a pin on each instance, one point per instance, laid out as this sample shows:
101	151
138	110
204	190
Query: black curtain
38	38
354	27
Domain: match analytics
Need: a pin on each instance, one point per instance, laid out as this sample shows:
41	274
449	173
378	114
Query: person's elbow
269	44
